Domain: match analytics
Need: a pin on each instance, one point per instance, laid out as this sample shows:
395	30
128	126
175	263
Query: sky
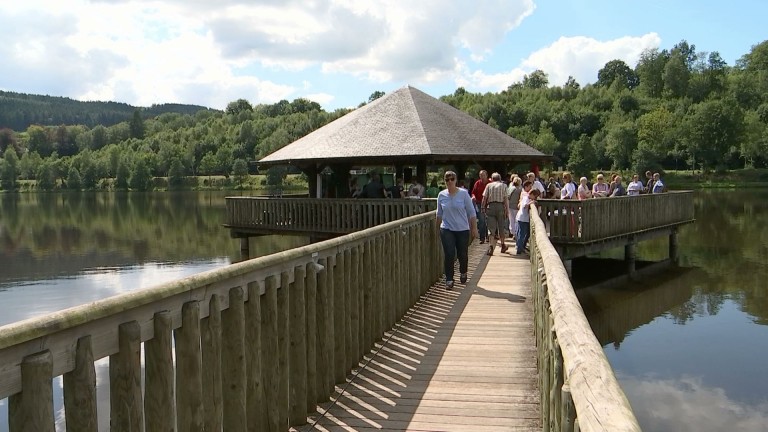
339	52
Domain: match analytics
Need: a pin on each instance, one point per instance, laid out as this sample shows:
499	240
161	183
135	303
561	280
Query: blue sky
338	52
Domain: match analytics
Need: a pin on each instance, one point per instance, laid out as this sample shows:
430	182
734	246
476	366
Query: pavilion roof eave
405	159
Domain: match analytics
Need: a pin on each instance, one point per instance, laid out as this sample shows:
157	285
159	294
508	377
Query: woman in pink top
600	189
583	192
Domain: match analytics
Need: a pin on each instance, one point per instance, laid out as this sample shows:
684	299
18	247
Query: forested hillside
675	109
18	111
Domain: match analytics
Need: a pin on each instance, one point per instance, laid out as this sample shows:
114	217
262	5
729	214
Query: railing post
339	319
233	362
32	409
189	386
80	389
256	410
270	372
210	329
313	332
125	400
159	407
298	349
283	341
568	411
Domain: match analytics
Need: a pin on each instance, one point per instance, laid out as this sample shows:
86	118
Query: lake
689	346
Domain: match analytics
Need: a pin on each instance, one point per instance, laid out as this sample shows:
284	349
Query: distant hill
19	110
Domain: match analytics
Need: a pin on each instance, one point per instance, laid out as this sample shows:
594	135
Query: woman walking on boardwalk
457	220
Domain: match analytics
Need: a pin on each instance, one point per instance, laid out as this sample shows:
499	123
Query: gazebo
406	128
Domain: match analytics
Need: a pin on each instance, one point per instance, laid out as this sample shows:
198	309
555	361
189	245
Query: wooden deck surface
463	360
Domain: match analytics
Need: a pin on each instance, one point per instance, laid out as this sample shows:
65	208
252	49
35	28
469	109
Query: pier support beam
630	256
245	248
674	254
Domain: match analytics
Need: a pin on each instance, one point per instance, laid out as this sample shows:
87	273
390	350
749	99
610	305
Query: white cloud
196	51
580	57
687	404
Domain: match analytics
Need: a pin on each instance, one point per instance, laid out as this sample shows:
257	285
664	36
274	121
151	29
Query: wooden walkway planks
463	360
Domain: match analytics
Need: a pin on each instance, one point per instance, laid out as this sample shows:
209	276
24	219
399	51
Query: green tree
141	177
621	143
176	174
236	107
38	141
536	80
713	128
582	156
122	175
375	95
240	172
28	164
208	165
136	126
676	76
9	169
650	71
617	70
46	178
74	181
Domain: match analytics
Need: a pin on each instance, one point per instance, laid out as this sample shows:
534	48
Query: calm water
690	347
59	251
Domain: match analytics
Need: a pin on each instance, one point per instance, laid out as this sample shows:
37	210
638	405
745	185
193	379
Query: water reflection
688	345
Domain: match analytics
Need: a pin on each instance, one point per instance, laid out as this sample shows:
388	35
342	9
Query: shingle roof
405	125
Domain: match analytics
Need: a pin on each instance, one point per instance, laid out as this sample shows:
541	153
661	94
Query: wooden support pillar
245	253
674	251
312	183
630	256
461	170
421	172
341	174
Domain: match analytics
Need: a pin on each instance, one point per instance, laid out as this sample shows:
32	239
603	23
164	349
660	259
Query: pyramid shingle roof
404	126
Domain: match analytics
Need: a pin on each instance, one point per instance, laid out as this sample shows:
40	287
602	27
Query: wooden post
80	390
256	402
630	256
245	252
189	385
283	341
297	361
568	412
125	400
233	362
356	286
339	319
325	330
32	409
270	372
312	331
349	271
674	254
159	407
210	330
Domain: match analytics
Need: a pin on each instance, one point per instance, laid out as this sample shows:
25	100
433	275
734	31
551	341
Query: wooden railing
579	390
597	219
252	346
321	215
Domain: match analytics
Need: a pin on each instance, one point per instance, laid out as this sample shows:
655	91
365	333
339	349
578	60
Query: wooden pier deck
461	360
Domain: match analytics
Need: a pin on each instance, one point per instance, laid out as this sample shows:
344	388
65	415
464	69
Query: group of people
486	212
375	189
601	189
492	207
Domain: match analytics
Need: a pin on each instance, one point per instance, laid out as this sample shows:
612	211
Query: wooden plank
462	360
80	389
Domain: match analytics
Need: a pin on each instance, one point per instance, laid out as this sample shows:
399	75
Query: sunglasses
450	178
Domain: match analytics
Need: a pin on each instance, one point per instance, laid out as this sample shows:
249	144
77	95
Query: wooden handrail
599	219
322	215
236	327
577	383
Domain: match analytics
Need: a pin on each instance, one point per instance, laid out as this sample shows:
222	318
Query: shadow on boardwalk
461	360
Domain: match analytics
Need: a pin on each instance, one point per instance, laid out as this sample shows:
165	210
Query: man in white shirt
569	188
658	185
535	184
635	187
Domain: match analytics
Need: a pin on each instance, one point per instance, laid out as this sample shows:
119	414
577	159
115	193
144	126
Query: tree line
677	108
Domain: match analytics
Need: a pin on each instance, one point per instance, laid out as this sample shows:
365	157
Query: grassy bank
743	178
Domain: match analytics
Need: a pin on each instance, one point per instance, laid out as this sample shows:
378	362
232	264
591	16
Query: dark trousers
454	243
523	232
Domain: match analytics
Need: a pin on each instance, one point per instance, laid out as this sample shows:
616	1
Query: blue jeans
482	226
454	243
523	231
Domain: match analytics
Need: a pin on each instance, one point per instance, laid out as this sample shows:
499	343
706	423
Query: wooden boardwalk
462	360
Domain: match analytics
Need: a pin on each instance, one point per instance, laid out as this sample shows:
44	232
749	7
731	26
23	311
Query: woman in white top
569	189
583	191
